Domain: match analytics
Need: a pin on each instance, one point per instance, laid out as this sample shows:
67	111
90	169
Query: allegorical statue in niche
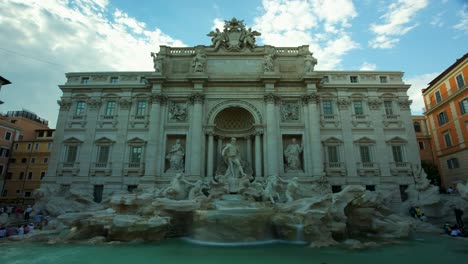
157	62
309	63
292	156
198	62
176	157
231	156
268	65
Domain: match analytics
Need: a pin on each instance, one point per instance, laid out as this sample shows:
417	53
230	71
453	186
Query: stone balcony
134	169
361	121
368	168
401	168
101	169
68	168
77	120
108	121
392	121
335	168
329	121
137	121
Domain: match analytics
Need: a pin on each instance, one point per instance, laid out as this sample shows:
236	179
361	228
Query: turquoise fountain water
423	249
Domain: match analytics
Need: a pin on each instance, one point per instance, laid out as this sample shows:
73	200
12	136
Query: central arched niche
234	121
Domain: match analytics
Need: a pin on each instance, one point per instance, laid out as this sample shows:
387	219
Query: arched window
417	126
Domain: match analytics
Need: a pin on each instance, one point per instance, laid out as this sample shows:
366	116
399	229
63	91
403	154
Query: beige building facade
121	130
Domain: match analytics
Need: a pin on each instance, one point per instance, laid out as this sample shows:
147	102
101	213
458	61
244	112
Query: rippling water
422	250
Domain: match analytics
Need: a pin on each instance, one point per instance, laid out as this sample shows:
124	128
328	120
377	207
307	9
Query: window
5	193
336	188
325	79
97	193
49	145
397	153
460	81
453	163
30	175
438	96
143	80
358	109
370	188
9	175
4	152
7	136
333	154
43	174
16	146
448	139
135	154
421	145
141	108
383	79
353	79
21	175
12	160
442	118
327	108
388	107
18	191
71	153
41	134
1	169
28	146
24	160
45	160
50	133
33	160
36	146
463	106
131	188
27	194
114	79
403	193
80	108
110	108
417	126
365	154
85	80
103	154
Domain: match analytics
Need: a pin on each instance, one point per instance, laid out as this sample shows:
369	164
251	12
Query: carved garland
125	103
64	104
94	103
374	104
405	104
343	103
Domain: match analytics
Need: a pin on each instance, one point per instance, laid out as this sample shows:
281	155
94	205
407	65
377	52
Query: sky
41	40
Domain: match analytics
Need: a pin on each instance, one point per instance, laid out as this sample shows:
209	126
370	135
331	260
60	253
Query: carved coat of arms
234	37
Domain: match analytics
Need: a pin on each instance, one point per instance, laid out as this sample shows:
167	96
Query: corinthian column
258	154
314	134
196	133
271	136
151	162
210	159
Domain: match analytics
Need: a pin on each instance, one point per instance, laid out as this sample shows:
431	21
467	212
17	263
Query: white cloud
417	83
321	24
218	23
366	66
397	21
437	20
81	35
462	25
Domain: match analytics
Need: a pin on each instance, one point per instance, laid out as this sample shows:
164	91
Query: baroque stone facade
120	130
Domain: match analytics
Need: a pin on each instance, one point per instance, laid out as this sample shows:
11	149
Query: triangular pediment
136	140
397	140
365	140
104	140
332	140
72	140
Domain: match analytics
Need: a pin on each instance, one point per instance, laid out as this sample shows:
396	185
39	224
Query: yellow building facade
28	165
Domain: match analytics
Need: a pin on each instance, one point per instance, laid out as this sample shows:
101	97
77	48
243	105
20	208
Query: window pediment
364	140
72	140
332	141
104	141
396	140
136	141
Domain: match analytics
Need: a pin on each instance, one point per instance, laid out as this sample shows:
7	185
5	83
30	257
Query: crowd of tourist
21	221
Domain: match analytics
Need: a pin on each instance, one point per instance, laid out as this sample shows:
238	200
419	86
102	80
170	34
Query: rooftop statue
234	37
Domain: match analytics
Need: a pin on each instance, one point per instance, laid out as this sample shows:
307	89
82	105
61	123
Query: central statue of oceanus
234	37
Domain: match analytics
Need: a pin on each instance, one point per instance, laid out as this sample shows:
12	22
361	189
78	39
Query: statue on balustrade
176	157
157	62
198	62
309	63
292	156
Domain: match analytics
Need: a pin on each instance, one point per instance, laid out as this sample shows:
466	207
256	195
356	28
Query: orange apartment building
424	138
28	164
16	126
8	133
446	100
